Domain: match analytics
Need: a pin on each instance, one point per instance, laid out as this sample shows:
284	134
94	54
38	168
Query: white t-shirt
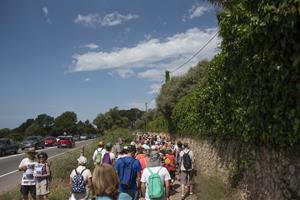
102	150
28	176
163	173
181	158
86	174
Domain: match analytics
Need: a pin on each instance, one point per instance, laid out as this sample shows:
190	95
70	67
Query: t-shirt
28	175
136	168
163	173
181	159
122	196
144	160
86	174
102	150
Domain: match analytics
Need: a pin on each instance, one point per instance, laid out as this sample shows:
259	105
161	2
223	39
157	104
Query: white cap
153	147
132	143
82	160
145	146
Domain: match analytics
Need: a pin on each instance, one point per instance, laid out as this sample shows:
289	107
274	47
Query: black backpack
187	161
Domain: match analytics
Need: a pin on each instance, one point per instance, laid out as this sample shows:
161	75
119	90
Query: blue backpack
127	174
78	183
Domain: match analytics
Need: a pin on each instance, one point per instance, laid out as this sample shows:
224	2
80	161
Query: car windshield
31	138
2	141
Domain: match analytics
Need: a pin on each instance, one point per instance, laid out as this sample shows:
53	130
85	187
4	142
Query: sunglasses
41	157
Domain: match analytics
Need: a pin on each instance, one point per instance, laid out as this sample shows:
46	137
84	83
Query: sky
90	56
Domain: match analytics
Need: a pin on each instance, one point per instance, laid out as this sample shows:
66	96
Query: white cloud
152	53
87	79
87	20
154	74
46	12
111	19
196	11
115	18
91	46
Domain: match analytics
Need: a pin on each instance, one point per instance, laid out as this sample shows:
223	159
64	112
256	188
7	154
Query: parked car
33	141
50	141
83	137
65	141
8	146
76	137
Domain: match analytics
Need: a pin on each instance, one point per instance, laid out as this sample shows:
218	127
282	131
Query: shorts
186	177
42	188
25	189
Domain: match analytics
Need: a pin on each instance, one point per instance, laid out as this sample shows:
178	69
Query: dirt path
176	193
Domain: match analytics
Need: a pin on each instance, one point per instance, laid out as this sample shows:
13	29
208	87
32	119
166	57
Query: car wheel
43	147
16	151
2	153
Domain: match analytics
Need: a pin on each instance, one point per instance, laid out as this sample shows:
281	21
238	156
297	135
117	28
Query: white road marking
3	175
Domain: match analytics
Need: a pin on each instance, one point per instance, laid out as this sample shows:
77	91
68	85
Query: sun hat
154	160
82	160
101	143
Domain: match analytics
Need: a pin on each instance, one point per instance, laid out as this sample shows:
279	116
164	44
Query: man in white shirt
186	159
27	165
99	153
155	167
87	177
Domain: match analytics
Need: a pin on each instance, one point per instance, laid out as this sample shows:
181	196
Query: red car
65	141
50	141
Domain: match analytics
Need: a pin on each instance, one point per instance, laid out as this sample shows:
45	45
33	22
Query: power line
195	54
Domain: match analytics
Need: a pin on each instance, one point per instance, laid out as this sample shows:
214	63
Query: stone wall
271	176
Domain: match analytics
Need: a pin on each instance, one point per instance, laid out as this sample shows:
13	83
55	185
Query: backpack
78	183
99	156
187	162
170	163
106	158
126	178
155	185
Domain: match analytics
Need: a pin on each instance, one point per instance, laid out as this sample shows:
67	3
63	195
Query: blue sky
89	56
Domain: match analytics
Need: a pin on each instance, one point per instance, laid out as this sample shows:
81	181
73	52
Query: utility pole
146	104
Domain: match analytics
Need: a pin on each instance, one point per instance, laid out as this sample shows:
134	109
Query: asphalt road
10	177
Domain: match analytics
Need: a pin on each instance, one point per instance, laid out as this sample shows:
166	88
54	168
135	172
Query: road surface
10	177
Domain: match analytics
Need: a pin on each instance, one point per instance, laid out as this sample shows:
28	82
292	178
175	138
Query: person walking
42	175
99	153
187	163
155	180
129	172
108	156
106	183
27	166
80	180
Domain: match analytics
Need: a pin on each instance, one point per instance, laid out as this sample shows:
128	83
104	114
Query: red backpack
169	162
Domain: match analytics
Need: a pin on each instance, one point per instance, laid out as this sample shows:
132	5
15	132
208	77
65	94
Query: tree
46	122
66	122
34	129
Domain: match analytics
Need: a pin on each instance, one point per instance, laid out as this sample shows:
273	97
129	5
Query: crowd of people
144	170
